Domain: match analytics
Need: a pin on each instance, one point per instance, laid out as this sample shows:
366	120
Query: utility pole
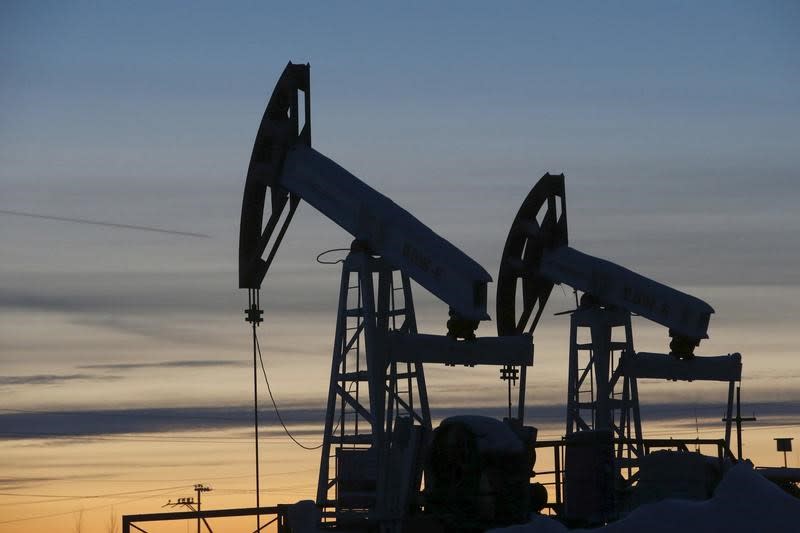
199	489
189	503
739	421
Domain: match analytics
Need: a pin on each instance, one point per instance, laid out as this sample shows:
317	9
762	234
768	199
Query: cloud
51	379
22	424
189	363
22	481
307	418
165	293
106	293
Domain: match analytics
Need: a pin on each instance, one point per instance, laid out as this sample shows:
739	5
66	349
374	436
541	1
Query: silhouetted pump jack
377	417
603	423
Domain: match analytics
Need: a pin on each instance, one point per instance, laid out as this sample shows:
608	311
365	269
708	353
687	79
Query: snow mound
538	524
744	502
492	435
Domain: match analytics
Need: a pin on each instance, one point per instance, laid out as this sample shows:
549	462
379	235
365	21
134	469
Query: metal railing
277	514
553	479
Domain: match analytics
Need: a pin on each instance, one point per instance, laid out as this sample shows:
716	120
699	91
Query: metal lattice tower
369	394
599	395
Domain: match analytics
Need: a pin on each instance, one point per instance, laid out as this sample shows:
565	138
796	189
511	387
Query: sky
124	354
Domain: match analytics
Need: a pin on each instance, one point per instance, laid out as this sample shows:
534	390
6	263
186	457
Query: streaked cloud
307	418
52	379
166	364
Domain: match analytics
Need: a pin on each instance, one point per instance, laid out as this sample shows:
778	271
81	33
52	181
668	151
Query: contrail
107	224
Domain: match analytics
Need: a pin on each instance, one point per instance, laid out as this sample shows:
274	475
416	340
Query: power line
161	492
32	502
112	504
321	262
250	491
90	496
106	224
59	499
51	515
275	405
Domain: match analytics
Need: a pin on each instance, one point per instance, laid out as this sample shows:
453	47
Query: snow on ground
744	502
492	434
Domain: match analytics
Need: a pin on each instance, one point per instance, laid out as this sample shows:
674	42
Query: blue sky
567	83
676	124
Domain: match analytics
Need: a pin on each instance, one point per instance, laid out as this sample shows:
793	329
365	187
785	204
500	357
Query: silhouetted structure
784	444
377	416
378	440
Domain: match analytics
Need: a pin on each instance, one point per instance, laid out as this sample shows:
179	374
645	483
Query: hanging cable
275	405
321	262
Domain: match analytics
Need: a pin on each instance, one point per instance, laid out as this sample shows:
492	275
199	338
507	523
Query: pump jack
376	342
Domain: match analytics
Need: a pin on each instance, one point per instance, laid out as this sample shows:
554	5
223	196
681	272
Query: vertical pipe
739	422
557	468
254	306
411	327
572	374
601	354
330	411
729	416
359	320
637	417
509	369
624	423
523	371
198	508
374	344
343	370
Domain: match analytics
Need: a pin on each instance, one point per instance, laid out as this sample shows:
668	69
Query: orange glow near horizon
94	479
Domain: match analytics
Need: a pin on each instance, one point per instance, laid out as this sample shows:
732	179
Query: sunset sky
125	362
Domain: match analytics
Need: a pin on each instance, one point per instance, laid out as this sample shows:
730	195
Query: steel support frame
613	397
368	311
